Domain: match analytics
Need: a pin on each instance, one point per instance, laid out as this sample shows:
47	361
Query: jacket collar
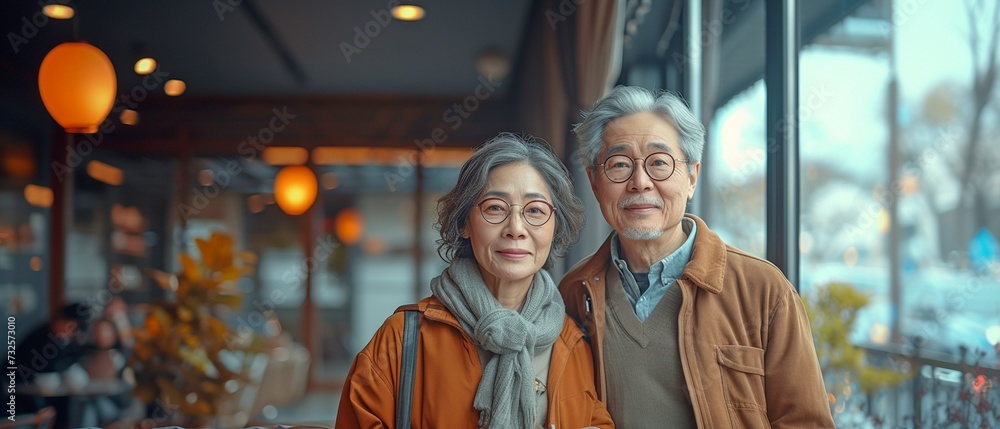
708	259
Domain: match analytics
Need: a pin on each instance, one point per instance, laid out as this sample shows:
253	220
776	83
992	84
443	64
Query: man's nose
640	180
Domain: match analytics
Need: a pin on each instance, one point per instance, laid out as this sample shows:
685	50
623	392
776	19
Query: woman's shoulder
392	329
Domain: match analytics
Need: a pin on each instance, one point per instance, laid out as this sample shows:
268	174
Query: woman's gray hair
626	100
506	148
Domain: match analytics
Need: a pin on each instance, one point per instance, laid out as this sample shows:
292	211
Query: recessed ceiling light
408	12
174	87
145	65
58	11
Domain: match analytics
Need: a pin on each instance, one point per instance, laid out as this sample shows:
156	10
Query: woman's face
512	251
104	334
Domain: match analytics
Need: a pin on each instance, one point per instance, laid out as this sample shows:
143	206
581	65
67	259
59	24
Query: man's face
641	208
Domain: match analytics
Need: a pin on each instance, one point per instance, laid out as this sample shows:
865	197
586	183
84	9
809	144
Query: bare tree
984	79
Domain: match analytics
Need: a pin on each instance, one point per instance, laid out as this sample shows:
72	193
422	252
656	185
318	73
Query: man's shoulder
742	259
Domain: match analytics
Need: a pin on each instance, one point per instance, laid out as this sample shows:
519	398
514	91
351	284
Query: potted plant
188	361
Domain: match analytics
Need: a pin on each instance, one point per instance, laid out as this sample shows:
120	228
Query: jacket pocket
742	372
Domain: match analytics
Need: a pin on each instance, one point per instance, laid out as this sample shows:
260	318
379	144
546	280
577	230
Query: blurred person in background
495	347
684	328
51	353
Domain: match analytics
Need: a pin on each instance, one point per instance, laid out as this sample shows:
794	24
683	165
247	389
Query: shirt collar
670	267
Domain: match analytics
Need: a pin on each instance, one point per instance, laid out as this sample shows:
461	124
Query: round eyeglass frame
509	211
644	167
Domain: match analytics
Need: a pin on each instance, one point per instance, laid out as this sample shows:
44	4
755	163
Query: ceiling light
77	83
295	189
58	11
129	117
38	196
174	87
105	173
284	155
408	12
493	65
145	65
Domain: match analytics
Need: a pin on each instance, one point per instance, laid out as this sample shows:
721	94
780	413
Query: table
77	398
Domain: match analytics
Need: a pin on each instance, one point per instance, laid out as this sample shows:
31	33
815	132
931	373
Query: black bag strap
411	331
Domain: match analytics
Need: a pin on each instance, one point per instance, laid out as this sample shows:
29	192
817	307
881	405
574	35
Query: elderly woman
495	348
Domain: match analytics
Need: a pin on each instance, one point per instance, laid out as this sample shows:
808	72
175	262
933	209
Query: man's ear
693	179
590	177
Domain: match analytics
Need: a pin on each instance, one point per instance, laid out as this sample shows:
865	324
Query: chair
44	419
234	410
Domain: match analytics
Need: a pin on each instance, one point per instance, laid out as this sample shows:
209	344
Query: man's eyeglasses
659	166
535	212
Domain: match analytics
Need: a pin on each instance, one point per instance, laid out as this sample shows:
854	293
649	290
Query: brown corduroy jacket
745	342
447	376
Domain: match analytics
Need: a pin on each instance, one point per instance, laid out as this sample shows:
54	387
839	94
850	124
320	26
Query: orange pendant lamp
77	82
349	226
295	189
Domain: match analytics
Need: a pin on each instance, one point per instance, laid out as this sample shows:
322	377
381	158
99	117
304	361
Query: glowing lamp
408	12
77	83
295	189
349	225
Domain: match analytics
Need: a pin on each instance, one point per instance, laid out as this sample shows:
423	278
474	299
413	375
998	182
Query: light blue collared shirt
661	275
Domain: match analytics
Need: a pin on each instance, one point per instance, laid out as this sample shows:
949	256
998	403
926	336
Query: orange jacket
745	342
447	376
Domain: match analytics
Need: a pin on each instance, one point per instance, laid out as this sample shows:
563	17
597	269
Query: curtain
577	62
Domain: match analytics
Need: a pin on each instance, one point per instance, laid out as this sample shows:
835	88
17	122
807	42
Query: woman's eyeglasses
535	212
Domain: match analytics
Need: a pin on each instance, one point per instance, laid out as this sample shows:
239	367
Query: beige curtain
599	49
575	60
553	91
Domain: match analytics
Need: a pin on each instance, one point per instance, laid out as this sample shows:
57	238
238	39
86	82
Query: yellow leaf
190	268
230	273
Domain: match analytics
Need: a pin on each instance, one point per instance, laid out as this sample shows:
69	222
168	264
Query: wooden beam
234	127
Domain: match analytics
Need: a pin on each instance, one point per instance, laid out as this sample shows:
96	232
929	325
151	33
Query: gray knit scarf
506	394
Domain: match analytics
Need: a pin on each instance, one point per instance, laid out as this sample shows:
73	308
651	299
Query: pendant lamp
77	82
349	226
295	189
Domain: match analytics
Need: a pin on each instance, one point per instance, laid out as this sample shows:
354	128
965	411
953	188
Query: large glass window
898	211
899	206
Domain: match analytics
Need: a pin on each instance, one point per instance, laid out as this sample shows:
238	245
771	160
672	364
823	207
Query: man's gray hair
626	100
455	206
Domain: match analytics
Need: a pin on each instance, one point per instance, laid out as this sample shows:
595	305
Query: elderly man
686	331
